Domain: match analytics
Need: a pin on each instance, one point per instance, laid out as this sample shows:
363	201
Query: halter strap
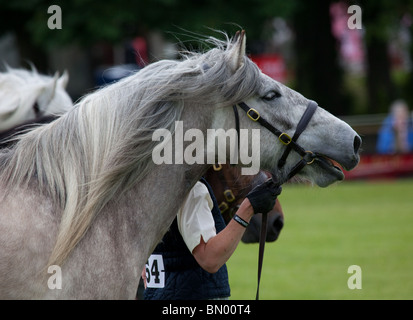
229	196
302	124
234	107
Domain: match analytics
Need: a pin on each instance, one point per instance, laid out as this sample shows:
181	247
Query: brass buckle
223	207
252	117
217	167
285	142
310	153
229	195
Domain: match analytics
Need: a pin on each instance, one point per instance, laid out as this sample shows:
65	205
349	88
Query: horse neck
160	194
132	224
145	212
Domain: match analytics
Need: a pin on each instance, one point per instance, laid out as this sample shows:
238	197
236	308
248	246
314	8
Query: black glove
263	196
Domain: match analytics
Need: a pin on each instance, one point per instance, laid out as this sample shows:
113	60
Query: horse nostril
357	144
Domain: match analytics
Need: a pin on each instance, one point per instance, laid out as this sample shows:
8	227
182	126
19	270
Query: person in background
396	134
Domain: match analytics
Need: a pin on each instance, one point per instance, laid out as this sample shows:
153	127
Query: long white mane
103	145
21	90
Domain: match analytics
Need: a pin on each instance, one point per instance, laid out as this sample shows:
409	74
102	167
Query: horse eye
271	95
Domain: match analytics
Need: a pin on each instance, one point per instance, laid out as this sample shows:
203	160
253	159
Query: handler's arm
213	254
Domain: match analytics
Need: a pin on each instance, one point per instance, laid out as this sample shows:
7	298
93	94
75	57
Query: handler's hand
143	275
263	196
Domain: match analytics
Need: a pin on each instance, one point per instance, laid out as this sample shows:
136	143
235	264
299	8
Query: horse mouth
330	166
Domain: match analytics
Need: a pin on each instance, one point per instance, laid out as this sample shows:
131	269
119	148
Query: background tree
318	74
377	19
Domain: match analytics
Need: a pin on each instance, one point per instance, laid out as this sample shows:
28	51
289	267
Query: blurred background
307	45
355	63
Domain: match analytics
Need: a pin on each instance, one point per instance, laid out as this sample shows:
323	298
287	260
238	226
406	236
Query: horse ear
33	67
64	79
52	87
237	51
48	91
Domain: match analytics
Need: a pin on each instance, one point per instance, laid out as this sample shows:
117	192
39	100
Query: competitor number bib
155	272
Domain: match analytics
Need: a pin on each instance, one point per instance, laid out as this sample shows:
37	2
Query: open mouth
330	166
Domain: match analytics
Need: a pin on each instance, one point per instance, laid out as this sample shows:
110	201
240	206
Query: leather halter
307	158
230	202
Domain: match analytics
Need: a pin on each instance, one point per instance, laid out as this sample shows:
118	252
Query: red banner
272	65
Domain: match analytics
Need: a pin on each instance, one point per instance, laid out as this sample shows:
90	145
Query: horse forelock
104	144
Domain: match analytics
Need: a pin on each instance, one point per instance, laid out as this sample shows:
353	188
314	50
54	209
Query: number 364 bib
155	272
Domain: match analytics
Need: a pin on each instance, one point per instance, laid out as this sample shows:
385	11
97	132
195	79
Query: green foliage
88	21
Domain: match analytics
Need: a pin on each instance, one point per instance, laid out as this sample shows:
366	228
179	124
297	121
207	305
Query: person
190	261
396	133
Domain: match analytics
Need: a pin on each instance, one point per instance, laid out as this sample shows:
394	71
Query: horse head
323	144
27	95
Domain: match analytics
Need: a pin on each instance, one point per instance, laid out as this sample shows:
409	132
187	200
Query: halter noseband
307	157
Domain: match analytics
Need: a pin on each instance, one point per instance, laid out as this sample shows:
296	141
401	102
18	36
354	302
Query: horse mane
104	144
20	89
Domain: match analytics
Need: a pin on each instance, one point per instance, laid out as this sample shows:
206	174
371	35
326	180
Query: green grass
369	224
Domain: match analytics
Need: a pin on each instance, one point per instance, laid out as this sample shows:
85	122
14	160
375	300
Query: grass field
369	224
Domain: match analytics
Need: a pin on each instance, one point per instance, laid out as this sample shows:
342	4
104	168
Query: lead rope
263	235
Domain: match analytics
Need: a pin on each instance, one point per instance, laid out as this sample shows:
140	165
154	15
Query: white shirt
195	217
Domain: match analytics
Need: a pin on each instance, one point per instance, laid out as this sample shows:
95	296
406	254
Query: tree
87	21
318	74
378	16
